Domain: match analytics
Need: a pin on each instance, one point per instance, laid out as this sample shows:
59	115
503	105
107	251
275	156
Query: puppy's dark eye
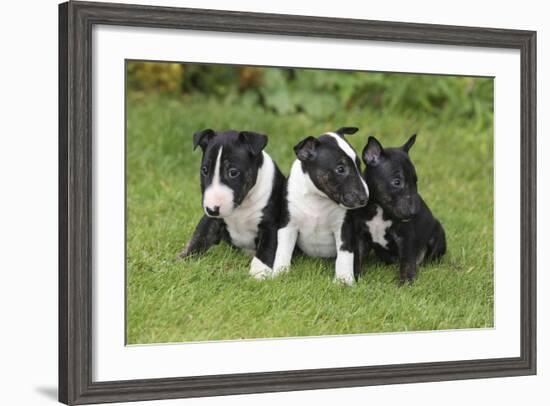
204	170
396	182
233	173
340	170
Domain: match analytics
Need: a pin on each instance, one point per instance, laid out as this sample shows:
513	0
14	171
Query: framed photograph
260	202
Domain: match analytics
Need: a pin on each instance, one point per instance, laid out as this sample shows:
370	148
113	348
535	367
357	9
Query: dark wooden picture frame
76	20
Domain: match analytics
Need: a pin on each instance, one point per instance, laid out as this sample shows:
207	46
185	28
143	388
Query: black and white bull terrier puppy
242	196
396	223
324	184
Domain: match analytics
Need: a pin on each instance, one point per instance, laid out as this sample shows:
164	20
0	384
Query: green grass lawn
212	297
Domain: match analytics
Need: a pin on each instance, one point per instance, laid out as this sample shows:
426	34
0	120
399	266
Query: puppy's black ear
202	138
306	149
373	151
346	130
254	142
409	143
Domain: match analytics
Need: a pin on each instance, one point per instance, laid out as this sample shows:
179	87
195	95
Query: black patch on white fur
240	152
273	212
350	241
322	159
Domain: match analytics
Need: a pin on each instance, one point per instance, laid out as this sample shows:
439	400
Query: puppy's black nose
354	200
214	212
349	199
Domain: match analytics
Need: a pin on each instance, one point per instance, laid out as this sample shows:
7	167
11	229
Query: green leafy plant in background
155	77
320	94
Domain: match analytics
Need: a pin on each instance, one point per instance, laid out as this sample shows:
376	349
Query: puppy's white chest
243	231
313	214
378	226
316	237
317	225
243	223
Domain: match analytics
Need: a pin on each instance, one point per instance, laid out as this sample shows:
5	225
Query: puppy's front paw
343	269
406	281
259	270
348	280
184	253
280	270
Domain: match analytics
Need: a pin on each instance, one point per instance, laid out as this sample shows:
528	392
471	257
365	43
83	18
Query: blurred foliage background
318	94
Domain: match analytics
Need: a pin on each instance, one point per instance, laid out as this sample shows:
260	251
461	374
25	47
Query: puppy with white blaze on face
242	196
324	185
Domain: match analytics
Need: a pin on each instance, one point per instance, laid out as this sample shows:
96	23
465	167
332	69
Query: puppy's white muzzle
218	201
